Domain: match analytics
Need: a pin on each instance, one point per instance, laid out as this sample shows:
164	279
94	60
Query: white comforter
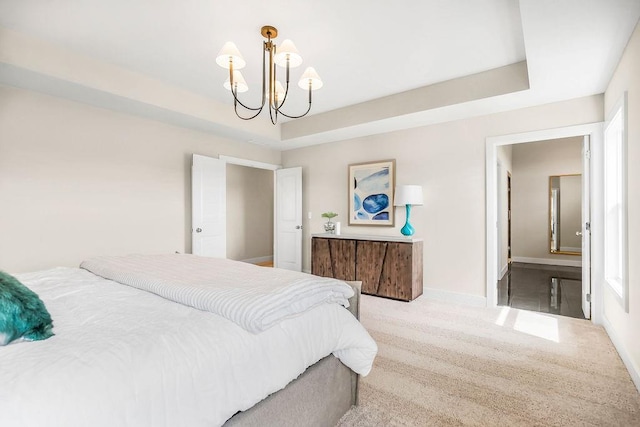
125	357
255	298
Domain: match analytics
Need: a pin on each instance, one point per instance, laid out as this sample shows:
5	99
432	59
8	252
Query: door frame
594	131
509	258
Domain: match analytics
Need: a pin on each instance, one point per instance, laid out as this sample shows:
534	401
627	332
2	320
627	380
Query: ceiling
364	50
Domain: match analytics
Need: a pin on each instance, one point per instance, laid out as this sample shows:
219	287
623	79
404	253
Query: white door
586	229
288	219
208	207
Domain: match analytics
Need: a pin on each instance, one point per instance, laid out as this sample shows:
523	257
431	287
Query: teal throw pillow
22	312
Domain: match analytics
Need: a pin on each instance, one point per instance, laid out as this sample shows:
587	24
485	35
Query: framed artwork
371	193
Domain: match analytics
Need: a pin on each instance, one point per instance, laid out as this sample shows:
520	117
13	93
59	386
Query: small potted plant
329	227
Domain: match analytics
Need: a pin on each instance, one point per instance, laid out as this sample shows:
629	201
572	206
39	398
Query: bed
130	350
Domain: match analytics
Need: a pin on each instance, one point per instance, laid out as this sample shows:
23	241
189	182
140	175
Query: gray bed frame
318	397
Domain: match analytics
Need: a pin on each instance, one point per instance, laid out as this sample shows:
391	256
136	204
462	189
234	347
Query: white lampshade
238	82
310	75
230	52
287	50
408	195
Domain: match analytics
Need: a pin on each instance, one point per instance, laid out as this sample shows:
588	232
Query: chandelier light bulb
279	91
287	50
230	53
238	82
310	75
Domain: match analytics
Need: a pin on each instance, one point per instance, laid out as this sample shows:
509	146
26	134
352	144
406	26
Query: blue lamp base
408	229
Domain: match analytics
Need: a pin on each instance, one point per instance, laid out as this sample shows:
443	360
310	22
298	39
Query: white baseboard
258	259
550	261
455	297
503	271
306	271
628	361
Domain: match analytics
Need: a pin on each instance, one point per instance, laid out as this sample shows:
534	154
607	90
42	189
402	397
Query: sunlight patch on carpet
538	325
503	316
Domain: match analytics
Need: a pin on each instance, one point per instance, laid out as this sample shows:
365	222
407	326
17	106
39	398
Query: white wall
78	181
533	163
448	160
249	212
623	326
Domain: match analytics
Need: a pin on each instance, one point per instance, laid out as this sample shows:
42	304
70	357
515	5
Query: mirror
565	214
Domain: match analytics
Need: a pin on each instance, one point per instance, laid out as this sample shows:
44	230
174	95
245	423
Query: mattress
124	356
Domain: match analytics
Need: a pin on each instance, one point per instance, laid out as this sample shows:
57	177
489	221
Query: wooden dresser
387	266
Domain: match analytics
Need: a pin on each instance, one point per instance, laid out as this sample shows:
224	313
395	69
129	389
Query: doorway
250	196
594	134
543	202
209	178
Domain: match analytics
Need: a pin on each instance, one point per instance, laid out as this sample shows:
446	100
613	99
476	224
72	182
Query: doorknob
298	227
578	233
198	230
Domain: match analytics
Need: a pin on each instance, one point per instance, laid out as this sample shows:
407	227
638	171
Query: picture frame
371	187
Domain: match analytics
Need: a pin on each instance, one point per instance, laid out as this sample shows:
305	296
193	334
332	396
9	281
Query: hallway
543	288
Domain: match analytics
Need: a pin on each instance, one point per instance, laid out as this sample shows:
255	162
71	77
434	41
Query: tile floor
544	288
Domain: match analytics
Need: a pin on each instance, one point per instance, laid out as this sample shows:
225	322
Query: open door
208	207
288	219
586	229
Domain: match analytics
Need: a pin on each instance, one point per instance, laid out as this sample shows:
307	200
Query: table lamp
408	195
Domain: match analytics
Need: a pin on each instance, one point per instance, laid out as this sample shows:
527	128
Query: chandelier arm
272	76
235	108
284	98
237	101
302	115
273	115
235	95
286	90
264	72
274	120
273	101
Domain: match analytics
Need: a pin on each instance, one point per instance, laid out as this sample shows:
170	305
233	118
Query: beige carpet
450	365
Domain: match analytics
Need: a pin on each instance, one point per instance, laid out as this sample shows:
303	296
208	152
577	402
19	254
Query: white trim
454	297
504	271
258	259
549	261
594	130
632	367
499	168
250	163
620	286
306	271
545	134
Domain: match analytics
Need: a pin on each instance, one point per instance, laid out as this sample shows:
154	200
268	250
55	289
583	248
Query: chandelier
274	94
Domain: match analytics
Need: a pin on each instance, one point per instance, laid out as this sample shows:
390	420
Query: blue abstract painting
371	193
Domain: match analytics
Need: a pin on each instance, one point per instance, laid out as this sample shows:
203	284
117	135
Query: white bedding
125	357
253	297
